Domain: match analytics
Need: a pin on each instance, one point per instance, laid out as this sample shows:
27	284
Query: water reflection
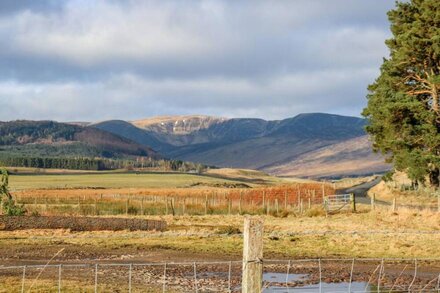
324	287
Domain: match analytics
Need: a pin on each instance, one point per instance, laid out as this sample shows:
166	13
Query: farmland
204	216
163	193
113	180
147	231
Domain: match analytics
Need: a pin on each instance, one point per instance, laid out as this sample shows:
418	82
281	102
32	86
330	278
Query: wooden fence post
373	201
438	201
353	202
252	281
394	205
206	204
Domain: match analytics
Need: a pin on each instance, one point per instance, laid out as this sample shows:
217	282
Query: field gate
338	202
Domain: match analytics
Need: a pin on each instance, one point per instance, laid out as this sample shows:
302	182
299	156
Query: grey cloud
92	60
15	6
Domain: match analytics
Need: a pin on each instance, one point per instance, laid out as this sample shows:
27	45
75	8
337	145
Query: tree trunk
434	177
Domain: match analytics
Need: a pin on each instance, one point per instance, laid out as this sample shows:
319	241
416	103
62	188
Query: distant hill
49	138
280	147
348	158
128	130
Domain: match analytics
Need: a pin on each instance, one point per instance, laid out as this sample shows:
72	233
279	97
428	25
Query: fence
252	274
301	275
395	205
242	202
209	204
335	203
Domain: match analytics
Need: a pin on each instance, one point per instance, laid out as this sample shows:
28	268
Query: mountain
304	145
49	138
129	131
348	158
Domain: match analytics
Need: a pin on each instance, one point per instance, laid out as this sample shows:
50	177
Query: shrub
11	209
8	204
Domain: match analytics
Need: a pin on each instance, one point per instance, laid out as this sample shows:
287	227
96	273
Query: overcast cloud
88	60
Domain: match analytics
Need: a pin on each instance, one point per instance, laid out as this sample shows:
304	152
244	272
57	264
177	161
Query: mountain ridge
249	142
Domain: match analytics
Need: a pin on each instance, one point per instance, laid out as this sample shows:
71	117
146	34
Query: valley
308	145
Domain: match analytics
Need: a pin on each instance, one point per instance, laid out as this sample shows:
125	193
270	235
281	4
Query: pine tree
403	103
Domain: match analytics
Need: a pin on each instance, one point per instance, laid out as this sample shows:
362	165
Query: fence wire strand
290	275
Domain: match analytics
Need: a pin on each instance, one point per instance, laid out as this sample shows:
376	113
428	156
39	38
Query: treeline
98	164
53	163
21	132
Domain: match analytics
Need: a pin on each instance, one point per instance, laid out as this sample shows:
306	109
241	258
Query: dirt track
360	192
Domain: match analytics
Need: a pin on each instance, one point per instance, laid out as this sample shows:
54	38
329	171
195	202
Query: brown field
153	201
225	191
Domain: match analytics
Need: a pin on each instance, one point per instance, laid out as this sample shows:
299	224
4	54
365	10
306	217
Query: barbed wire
361	274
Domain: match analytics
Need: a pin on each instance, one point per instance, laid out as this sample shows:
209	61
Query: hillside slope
133	133
273	146
49	138
347	158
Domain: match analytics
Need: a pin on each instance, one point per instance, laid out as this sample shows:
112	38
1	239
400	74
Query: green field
117	180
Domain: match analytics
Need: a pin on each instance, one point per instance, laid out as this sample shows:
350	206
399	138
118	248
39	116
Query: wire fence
232	202
275	203
305	275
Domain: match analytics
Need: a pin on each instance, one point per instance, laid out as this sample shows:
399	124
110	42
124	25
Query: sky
86	60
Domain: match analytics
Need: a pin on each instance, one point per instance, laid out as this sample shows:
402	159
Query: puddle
325	287
281	277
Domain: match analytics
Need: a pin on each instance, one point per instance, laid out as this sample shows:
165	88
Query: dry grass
350	182
197	200
245	174
360	237
387	191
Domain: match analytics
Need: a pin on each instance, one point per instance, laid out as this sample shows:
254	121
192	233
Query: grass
349	182
287	235
98	197
387	191
153	205
247	175
109	180
217	236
